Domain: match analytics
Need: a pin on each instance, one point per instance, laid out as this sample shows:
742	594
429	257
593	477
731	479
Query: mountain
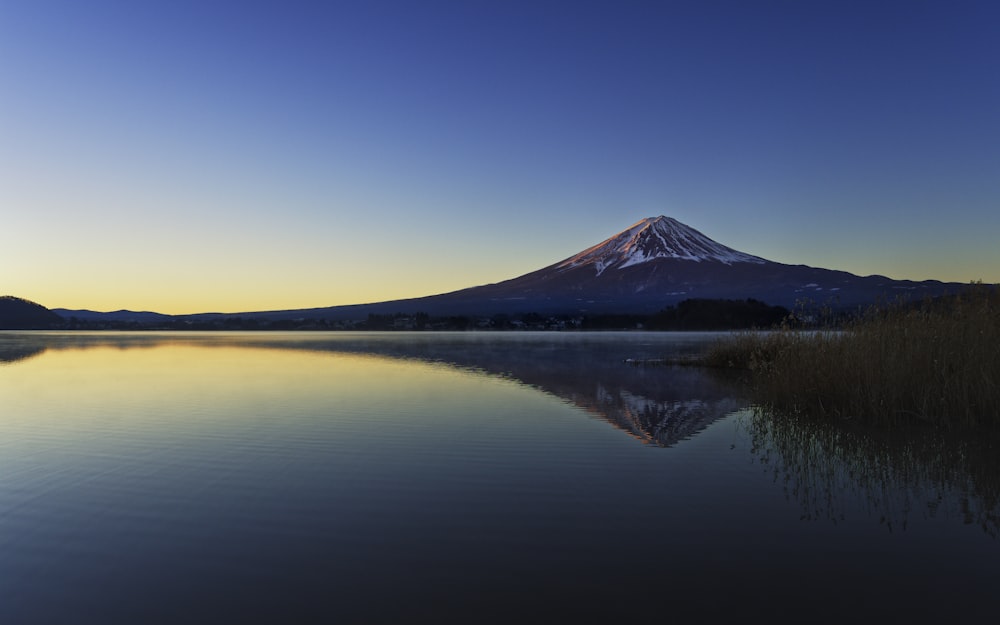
21	314
659	261
655	263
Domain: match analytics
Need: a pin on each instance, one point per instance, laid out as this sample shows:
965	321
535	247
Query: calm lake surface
437	477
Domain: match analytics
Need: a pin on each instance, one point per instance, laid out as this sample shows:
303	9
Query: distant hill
21	314
129	316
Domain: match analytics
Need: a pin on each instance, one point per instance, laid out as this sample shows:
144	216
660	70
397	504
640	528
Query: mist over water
458	477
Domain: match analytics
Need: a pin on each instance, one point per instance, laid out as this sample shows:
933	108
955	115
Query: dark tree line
716	314
697	314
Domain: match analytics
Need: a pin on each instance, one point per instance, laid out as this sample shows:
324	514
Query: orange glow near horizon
236	293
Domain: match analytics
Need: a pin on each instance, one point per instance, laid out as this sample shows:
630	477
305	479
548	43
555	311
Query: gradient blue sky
193	156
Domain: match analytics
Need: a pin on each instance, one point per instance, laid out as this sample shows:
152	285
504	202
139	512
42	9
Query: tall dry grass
937	362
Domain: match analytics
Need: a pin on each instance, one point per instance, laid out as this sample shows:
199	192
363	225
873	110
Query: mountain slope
659	261
654	238
654	263
21	314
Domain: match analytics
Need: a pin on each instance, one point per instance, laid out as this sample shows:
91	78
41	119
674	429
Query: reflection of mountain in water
663	422
15	348
657	405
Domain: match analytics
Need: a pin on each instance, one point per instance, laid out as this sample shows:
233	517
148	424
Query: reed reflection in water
831	467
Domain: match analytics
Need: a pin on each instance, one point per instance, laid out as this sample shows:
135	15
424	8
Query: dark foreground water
478	477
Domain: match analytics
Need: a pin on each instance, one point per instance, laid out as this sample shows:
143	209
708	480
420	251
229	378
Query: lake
461	477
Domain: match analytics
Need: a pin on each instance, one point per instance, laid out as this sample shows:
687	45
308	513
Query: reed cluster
936	362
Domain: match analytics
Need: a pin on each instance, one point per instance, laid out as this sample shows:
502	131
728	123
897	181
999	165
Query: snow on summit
652	238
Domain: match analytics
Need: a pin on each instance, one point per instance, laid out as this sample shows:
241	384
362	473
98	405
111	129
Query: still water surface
512	477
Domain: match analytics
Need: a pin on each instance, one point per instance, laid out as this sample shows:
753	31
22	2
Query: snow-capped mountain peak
652	238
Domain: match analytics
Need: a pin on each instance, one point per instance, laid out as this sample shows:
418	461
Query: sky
234	156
